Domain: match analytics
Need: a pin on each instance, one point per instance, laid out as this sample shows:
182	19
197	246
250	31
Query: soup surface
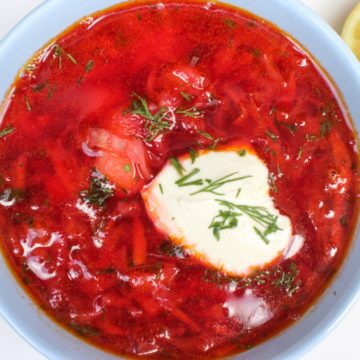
129	95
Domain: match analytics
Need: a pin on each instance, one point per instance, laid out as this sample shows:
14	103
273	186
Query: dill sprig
206	135
27	103
216	184
155	124
6	131
286	280
272	136
186	96
183	181
99	191
259	214
89	66
209	137
190	112
58	54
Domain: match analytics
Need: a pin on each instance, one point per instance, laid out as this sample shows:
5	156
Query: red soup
139	91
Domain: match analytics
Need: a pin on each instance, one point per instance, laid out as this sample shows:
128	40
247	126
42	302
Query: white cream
185	217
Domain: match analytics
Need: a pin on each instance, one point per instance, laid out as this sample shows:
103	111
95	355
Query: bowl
323	43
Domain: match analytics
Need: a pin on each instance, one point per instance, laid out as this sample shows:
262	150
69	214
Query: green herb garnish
226	219
100	190
286	280
291	127
85	330
311	137
325	127
242	152
6	131
184	180
169	249
273	182
215	184
193	154
155	124
161	188
89	66
28	105
186	96
127	168
230	23
256	52
209	137
176	164
72	59
191	112
51	91
272	136
58	54
299	153
259	214
39	87
205	135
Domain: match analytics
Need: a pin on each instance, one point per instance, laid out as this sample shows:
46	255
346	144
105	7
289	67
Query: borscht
178	180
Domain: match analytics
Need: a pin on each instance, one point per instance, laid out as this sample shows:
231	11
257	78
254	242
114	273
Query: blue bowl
322	42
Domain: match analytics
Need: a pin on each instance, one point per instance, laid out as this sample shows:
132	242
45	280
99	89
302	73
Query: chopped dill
272	136
89	66
209	137
231	24
205	135
84	330
191	112
155	124
72	59
169	249
291	127
7	130
127	168
286	280
259	214
186	96
28	105
59	53
272	180
299	153
99	191
326	127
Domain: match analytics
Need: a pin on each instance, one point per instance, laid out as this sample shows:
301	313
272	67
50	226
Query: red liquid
104	271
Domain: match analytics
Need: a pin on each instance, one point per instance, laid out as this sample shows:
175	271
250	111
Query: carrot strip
185	319
139	242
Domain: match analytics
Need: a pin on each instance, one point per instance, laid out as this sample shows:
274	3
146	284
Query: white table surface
341	344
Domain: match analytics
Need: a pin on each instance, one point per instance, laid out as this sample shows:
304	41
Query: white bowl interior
53	17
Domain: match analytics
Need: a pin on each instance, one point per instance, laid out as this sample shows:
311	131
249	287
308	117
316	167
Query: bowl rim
340	50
